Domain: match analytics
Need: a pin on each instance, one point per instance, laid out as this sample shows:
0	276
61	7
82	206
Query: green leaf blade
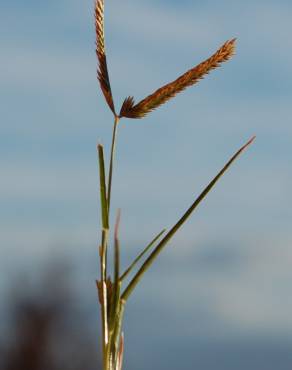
177	226
103	197
138	258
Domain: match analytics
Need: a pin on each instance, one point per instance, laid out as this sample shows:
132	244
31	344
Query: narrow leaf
177	226
137	259
163	94
102	72
103	200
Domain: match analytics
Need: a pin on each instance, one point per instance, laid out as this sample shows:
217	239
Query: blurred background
220	294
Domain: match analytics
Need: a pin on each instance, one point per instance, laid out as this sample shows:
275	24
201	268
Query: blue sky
53	114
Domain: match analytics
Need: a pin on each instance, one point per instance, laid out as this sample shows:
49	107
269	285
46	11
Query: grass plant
112	294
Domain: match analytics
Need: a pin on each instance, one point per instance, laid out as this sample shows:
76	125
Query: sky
234	254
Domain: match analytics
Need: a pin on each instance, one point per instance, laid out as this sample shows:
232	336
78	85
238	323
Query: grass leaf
137	259
103	199
178	225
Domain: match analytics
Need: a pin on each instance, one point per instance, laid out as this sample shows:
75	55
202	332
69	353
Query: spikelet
162	95
102	73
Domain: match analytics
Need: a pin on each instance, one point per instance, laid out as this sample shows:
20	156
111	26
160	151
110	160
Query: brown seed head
102	72
162	95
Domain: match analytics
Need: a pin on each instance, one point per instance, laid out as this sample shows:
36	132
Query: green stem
110	176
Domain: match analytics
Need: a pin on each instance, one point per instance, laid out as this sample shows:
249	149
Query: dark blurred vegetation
45	329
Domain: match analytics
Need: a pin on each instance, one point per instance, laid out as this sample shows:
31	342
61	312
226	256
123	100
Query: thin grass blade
178	225
103	199
137	259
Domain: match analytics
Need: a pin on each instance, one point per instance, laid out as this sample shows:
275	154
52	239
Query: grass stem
111	165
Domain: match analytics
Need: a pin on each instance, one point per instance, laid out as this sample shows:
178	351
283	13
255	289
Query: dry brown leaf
162	95
102	73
